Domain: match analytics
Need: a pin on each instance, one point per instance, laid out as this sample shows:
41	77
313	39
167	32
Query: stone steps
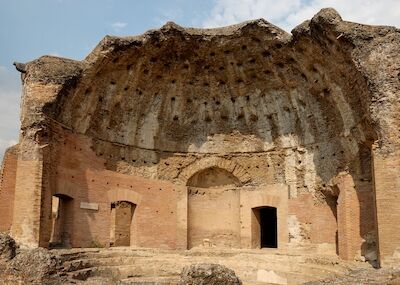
162	266
124	272
135	260
150	281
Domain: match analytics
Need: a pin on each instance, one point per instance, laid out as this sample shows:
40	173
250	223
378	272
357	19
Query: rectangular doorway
121	223
265	227
62	221
268	225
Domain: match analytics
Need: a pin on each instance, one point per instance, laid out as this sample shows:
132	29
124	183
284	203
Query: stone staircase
154	266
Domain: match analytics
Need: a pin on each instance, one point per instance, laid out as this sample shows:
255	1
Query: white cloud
117	26
288	13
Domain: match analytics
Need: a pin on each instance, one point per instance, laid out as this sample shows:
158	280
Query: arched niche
213	208
123	204
122	194
121	223
213	177
238	171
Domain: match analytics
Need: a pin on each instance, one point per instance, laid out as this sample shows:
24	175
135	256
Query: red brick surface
7	188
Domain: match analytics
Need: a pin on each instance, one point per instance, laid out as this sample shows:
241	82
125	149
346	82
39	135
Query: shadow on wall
362	172
357	210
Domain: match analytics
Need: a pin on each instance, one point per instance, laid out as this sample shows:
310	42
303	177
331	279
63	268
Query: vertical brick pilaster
7	189
387	196
348	215
28	191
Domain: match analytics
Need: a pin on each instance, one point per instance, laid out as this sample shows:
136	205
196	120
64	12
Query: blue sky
71	28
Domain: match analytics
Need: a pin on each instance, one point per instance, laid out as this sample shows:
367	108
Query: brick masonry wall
160	218
27	203
349	235
317	222
80	174
7	189
71	168
387	189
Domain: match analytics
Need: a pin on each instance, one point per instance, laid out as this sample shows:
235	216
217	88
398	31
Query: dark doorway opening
62	221
268	227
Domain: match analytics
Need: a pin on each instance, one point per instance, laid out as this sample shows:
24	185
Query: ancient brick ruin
237	137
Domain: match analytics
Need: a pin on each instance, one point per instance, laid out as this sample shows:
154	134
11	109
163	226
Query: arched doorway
62	221
121	223
213	208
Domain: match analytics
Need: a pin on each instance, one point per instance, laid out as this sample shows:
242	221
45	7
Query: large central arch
230	166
